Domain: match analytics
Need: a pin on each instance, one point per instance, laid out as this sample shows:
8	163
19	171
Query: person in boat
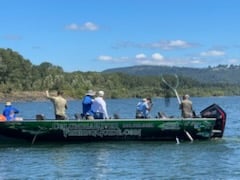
10	112
60	105
186	107
99	107
87	105
2	118
143	108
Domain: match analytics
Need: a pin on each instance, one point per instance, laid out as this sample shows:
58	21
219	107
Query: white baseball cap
101	93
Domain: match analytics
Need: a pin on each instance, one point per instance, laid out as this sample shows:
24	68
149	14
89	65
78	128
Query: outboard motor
215	111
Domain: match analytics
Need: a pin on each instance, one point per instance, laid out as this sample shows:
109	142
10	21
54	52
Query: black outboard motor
215	111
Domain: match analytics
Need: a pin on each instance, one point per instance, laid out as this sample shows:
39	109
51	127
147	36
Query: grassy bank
25	96
22	96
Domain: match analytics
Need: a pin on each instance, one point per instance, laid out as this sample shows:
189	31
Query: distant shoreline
25	96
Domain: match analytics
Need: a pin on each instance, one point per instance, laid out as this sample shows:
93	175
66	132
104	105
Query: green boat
210	124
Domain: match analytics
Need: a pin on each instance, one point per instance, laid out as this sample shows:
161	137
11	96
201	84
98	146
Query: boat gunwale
114	120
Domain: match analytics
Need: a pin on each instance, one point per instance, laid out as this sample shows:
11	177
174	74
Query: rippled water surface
213	159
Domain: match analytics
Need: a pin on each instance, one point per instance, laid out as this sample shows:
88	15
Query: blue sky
94	35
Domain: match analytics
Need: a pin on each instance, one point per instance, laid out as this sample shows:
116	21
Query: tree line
19	74
219	74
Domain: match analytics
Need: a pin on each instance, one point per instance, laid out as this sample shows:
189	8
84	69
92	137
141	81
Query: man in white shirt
99	107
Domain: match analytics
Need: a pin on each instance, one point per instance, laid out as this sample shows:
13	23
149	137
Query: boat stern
215	111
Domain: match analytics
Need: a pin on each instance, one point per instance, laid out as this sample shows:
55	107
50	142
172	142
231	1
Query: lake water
214	159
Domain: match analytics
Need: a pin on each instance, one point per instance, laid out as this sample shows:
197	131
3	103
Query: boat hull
114	129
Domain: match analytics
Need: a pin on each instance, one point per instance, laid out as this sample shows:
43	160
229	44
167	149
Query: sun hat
91	93
8	103
101	93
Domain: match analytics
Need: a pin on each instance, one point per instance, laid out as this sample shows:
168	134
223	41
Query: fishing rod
174	88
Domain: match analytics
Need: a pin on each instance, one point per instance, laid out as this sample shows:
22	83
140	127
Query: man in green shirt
60	105
186	107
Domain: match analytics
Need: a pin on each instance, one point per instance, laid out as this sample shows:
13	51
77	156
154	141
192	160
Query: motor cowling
215	111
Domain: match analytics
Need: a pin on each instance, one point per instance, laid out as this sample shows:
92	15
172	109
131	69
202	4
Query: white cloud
213	53
105	58
159	59
141	56
88	26
178	43
155	59
165	45
173	44
195	62
72	27
157	56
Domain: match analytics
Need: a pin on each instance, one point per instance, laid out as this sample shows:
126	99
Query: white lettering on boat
95	130
85	125
102	133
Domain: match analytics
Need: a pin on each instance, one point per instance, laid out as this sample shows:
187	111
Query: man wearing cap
186	107
10	112
60	105
143	108
99	107
87	105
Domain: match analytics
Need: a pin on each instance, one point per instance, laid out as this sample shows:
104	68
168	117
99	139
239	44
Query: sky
95	35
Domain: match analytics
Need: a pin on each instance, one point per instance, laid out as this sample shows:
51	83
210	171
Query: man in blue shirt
143	108
87	104
10	112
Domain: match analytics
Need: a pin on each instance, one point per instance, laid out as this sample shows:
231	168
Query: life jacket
2	118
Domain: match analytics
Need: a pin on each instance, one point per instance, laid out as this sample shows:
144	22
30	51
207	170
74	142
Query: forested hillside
220	74
20	75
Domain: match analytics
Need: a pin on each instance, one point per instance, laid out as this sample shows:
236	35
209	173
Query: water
214	159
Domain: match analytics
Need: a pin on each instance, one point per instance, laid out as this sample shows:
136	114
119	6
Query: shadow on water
11	142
